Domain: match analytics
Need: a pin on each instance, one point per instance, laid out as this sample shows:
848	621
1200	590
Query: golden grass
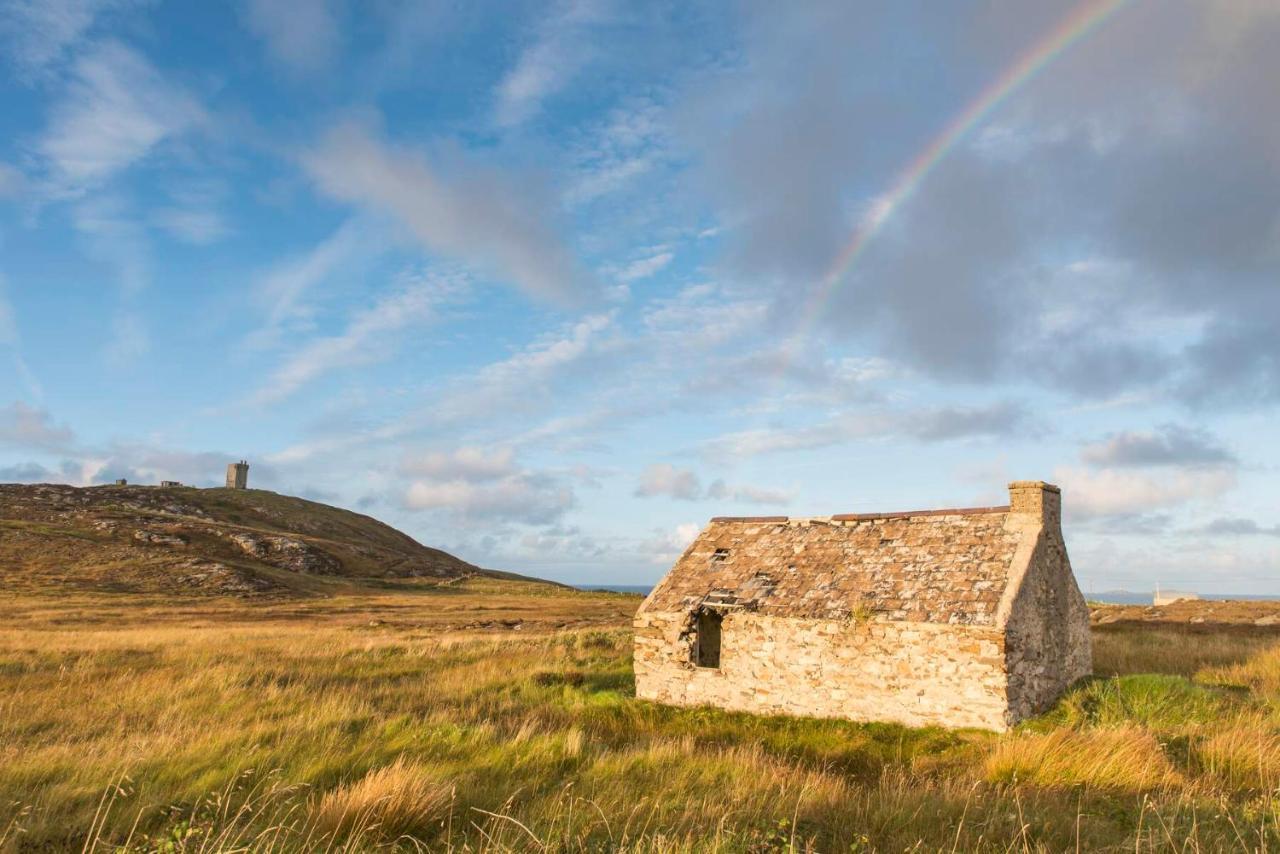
1260	673
1243	754
385	804
375	722
1127	759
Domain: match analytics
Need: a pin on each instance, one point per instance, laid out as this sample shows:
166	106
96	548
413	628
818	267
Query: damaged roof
935	566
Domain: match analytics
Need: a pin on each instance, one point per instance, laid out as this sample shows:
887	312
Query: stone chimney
1037	499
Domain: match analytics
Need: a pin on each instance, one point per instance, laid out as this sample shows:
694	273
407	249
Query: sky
550	284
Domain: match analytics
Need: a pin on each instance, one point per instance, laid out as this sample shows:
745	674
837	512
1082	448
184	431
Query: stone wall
1047	629
916	674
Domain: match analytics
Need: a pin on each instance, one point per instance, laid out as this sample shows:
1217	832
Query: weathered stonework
962	618
238	475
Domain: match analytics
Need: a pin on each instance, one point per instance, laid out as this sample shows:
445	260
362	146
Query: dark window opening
720	556
706	649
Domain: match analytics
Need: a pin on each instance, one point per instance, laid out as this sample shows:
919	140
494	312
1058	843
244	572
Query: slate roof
934	566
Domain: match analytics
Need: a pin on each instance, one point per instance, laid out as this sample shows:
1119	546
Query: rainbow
1085	19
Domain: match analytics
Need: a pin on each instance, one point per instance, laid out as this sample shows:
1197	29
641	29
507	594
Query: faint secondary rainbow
1083	20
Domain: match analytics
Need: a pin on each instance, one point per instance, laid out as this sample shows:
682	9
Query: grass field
500	716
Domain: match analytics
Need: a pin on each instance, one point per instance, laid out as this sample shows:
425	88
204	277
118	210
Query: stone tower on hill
960	618
238	475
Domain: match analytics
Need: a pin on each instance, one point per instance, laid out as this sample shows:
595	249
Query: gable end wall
917	674
1046	628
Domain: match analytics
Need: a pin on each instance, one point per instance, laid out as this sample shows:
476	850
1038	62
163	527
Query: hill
186	540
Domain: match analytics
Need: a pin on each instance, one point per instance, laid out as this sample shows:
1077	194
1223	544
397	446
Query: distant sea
1114	597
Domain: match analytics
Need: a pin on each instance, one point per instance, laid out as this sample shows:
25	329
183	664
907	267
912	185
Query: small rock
156	539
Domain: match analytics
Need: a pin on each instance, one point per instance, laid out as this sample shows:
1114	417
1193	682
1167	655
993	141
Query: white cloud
1089	493
281	290
501	388
116	110
546	356
524	378
468	463
476	486
643	268
115	239
12	182
301	35
665	545
518	498
24	426
631	141
490	219
11	339
197	227
935	424
557	54
664	479
1170	445
40	32
722	491
363	340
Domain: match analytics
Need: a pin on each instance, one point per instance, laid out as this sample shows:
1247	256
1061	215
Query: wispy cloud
197	227
1171	445
470	463
283	289
643	268
721	491
1238	527
631	141
560	49
40	32
194	216
929	424
481	216
301	35
130	340
12	182
117	108
525	379
663	480
115	239
365	339
11	340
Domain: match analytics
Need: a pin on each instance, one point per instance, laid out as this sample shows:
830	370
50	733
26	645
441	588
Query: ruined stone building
238	475
961	618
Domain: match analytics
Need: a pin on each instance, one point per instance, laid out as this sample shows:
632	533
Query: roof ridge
867	517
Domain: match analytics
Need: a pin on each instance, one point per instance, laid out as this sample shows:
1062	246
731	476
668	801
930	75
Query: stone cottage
959	618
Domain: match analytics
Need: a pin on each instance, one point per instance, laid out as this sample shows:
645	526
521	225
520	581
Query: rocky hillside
185	540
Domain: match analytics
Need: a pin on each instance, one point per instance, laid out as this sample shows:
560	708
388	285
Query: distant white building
1168	597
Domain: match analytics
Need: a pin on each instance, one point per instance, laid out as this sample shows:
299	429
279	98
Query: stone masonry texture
959	618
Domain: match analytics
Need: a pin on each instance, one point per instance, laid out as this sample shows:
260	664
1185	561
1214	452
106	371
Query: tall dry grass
387	803
317	733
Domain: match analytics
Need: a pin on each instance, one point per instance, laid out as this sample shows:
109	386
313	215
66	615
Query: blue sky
527	280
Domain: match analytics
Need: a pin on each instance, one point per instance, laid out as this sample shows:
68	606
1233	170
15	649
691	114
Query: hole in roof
720	556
